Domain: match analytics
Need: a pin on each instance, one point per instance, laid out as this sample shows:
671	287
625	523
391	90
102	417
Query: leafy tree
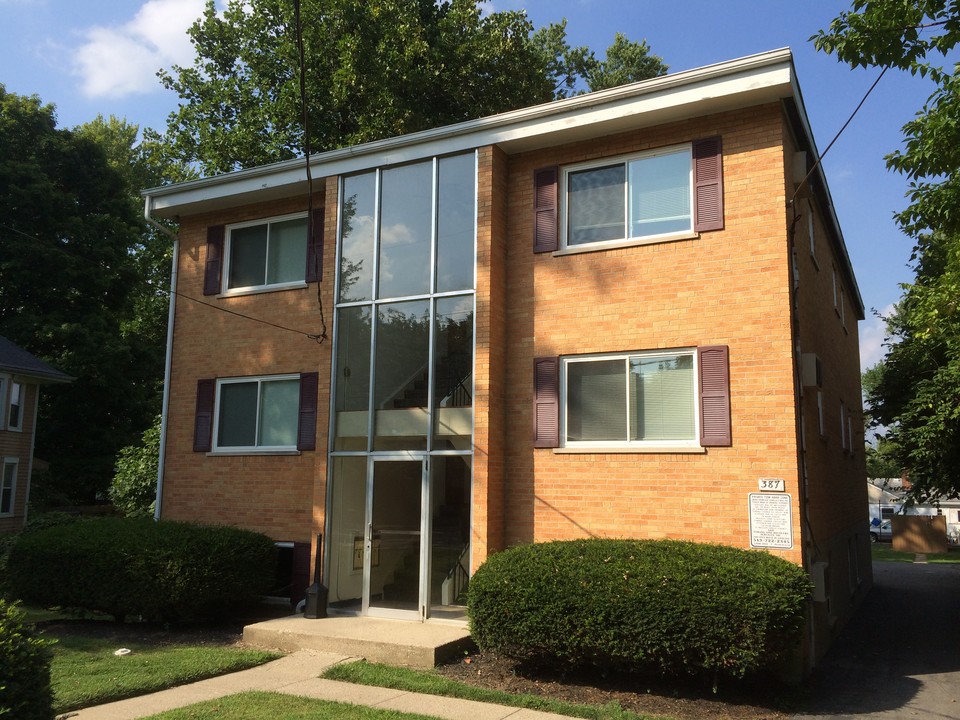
915	391
134	487
374	69
73	254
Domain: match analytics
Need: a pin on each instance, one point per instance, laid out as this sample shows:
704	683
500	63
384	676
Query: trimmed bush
166	571
660	606
25	692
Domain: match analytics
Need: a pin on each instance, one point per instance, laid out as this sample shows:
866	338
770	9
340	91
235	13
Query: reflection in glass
286	259
238	415
596	401
352	378
450	534
395	526
357	223
401	376
248	256
405	230
343	572
660	194
662	398
455	223
453	374
596	205
279	406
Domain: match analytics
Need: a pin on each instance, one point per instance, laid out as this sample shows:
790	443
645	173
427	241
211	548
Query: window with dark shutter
315	248
715	396
307	423
213	269
545	228
203	421
546	402
708	184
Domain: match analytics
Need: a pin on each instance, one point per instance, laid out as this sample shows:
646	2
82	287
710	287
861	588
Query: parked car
883	531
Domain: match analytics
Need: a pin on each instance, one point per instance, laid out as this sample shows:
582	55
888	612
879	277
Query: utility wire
305	119
837	136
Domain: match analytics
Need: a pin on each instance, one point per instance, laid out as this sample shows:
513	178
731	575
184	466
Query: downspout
168	361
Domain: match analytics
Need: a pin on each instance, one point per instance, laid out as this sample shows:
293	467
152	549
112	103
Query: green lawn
259	705
85	671
364	673
884	552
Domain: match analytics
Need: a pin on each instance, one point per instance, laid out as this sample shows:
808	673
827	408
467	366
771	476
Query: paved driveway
900	656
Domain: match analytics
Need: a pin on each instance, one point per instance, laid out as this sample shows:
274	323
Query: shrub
25	692
133	490
658	606
164	571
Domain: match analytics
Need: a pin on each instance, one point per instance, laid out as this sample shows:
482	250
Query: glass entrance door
393	552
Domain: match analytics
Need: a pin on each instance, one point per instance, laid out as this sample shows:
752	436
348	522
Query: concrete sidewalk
297	674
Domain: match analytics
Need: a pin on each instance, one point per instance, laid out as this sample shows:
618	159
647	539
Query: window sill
650	450
632	242
252	451
262	290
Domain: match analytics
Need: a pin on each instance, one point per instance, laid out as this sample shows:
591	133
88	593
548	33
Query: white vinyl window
641	197
8	485
14	405
636	399
266	253
257	413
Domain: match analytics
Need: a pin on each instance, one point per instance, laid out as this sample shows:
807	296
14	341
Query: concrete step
395	642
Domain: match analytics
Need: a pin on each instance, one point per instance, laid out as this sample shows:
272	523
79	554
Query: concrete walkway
297	674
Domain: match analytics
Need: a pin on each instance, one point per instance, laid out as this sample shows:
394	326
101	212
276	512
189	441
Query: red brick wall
281	496
729	287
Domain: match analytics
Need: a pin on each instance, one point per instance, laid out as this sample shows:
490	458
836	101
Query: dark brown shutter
214	267
546	402
307	422
315	248
708	184
545	228
203	421
714	396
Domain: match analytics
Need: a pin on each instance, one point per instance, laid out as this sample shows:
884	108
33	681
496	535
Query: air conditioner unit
811	370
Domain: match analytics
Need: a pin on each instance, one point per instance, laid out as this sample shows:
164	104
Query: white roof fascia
752	80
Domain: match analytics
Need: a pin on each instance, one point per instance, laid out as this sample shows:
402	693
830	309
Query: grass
884	552
258	705
85	671
365	673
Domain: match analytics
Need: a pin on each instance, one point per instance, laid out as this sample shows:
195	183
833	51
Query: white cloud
873	335
123	59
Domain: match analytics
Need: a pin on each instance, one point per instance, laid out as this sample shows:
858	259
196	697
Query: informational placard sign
771	521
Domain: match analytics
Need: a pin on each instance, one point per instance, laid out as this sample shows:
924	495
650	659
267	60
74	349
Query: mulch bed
681	698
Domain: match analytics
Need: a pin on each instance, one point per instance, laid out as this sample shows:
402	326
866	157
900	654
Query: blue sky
95	57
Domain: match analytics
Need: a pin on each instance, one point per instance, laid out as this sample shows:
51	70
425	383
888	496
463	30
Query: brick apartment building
629	313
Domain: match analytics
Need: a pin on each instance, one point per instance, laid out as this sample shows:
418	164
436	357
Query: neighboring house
21	375
887	497
629	313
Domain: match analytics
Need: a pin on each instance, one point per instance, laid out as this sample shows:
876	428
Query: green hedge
657	606
25	692
166	571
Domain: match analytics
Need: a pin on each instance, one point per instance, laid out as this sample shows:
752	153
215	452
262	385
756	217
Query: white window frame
823	430
812	233
565	363
248	449
843	428
7	386
15	464
3	402
228	255
624	160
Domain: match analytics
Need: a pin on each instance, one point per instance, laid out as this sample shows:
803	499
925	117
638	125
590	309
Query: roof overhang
744	82
735	84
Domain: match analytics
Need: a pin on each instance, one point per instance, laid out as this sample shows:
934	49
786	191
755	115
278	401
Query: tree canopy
373	69
915	390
